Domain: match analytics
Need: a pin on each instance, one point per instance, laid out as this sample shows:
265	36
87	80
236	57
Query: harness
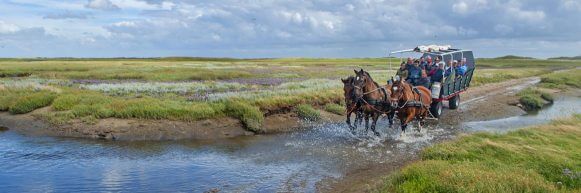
372	102
415	103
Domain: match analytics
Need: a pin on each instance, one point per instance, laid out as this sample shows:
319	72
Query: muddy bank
136	129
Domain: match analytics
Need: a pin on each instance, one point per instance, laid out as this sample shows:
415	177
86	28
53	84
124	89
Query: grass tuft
534	99
335	108
250	116
31	102
308	113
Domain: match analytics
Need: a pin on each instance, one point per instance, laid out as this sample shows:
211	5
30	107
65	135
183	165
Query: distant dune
566	58
514	57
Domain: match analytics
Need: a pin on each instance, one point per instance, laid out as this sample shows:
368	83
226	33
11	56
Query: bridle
362	98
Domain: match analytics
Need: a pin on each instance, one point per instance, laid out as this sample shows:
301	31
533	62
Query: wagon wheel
436	109
454	102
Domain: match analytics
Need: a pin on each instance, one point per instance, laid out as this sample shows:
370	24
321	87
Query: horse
410	102
374	98
351	104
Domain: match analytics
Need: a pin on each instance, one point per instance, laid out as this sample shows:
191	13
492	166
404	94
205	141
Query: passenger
424	80
462	68
433	69
402	72
414	72
450	71
429	64
423	63
439	61
438	75
456	69
409	63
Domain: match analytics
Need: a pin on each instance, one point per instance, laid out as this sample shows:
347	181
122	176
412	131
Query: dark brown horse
351	103
410	102
374	98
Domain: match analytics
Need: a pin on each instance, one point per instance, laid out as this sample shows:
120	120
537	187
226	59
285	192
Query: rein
369	92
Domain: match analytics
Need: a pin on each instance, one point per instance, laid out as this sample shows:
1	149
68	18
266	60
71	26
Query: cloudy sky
285	28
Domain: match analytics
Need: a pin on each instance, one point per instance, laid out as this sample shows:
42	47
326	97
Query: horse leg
407	119
358	118
375	118
390	116
349	120
366	122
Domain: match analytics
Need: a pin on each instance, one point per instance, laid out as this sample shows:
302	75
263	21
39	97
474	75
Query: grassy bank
540	159
562	79
191	89
534	99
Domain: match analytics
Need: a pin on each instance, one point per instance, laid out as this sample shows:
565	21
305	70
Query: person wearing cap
437	73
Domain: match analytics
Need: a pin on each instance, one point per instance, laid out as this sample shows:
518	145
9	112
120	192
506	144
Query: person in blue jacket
414	72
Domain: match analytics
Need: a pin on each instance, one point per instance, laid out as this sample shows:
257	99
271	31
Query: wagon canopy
446	52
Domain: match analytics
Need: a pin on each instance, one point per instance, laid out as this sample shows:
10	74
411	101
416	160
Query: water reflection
562	107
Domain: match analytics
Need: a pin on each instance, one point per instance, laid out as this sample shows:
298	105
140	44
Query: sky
286	28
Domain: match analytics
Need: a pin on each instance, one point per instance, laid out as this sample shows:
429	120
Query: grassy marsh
540	159
190	89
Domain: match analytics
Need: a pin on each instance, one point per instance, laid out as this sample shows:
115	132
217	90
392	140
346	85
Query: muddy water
290	162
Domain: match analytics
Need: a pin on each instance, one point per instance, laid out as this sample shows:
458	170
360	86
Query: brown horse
410	102
374	98
351	104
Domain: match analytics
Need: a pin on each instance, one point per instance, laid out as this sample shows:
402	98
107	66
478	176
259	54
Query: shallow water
289	162
562	107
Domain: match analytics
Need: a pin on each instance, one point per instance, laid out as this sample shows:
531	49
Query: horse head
348	89
400	91
359	83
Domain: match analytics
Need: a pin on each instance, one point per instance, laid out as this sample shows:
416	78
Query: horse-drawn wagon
451	87
414	97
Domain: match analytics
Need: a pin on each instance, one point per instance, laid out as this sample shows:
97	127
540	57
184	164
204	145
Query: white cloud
571	5
460	7
101	5
168	26
8	28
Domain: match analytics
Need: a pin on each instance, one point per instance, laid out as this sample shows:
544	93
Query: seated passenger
414	72
402	72
438	75
450	71
429	64
423	63
424	80
463	67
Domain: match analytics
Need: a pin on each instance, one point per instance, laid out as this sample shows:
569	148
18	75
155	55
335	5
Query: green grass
307	112
534	99
540	159
143	97
335	108
562	79
24	101
250	116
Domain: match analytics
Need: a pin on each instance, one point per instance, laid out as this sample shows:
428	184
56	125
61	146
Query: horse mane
370	78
